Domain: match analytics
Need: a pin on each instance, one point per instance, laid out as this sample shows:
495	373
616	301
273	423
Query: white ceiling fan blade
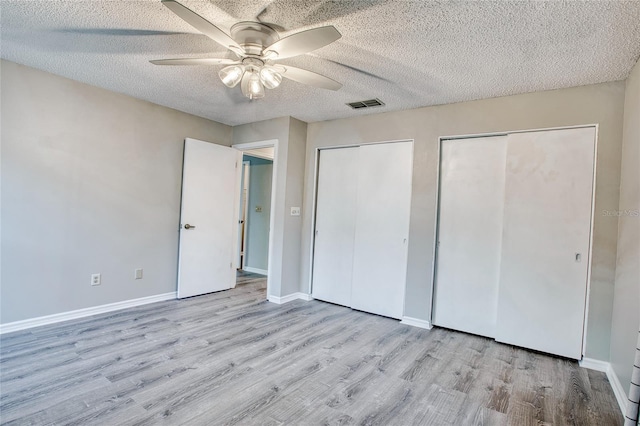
202	25
194	61
309	77
302	42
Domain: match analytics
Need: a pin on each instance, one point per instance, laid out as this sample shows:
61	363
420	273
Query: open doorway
209	215
254	215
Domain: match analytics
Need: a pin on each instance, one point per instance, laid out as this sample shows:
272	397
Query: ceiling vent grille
366	104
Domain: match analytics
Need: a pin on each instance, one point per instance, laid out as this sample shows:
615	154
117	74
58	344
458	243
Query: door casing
505	133
274	185
315	196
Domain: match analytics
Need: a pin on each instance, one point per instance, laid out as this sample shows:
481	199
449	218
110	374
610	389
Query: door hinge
236	164
231	265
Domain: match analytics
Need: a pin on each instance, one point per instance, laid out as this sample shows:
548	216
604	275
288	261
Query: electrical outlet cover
96	279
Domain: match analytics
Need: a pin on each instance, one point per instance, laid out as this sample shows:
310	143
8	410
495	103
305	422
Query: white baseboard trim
415	322
606	367
289	298
255	270
618	390
81	313
594	364
304	296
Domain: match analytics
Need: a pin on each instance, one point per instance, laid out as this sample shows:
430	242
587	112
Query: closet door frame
316	170
434	270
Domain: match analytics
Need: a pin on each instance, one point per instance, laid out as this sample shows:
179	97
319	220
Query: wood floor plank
233	358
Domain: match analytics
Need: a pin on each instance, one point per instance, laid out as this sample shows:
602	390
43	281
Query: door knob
187	226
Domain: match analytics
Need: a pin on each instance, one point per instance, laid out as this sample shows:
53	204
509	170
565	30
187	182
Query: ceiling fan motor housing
253	37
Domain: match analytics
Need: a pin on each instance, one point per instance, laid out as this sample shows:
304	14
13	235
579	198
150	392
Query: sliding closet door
382	228
470	234
545	245
335	225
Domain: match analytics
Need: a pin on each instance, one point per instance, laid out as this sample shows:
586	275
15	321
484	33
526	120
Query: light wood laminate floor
243	277
233	358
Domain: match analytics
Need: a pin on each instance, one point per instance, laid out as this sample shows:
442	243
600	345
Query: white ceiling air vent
366	104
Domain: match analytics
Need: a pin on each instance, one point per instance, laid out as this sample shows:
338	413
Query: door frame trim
274	177
434	269
244	205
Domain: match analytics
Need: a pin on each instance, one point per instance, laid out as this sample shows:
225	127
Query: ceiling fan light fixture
231	75
255	44
270	77
251	85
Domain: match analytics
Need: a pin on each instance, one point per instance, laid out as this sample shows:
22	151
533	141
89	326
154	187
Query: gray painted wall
626	302
90	183
601	103
295	197
257	249
289	159
96	177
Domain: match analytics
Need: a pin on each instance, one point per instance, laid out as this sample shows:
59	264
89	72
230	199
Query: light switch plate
295	211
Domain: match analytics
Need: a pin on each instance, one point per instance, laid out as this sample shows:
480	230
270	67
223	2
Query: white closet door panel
545	246
382	228
335	225
470	234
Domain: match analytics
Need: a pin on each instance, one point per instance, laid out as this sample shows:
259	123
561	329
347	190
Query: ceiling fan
256	46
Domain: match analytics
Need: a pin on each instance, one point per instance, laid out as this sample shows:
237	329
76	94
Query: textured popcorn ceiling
407	53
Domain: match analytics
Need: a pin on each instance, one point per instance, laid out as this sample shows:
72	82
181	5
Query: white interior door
335	225
470	234
382	228
209	218
545	245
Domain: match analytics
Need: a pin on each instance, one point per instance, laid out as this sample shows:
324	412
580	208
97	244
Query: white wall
626	302
90	183
257	229
601	103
